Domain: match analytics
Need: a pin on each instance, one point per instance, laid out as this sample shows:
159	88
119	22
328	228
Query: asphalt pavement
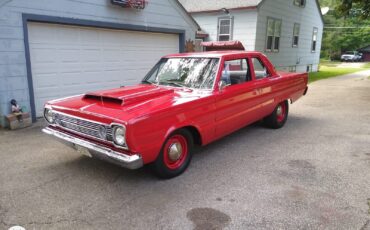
312	174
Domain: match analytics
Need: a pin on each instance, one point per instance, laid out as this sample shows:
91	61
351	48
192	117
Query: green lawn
366	66
330	69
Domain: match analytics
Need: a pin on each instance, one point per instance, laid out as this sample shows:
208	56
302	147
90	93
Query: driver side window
260	69
235	72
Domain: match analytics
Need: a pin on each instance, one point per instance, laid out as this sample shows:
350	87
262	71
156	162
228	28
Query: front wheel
278	117
175	155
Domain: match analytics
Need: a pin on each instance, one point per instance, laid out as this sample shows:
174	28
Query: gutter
215	11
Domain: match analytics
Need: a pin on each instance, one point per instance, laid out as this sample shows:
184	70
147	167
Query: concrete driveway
312	174
351	65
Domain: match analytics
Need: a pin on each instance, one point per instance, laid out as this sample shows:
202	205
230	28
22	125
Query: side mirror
222	85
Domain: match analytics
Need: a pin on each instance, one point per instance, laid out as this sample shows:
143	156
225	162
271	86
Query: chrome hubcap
279	110
175	151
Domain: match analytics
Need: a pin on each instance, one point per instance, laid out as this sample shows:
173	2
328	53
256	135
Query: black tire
163	166
275	120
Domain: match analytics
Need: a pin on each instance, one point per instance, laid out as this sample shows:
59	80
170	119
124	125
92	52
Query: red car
185	100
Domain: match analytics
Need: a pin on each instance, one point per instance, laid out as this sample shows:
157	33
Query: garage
69	47
70	60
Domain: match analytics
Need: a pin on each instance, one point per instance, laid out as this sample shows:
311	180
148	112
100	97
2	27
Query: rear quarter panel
292	85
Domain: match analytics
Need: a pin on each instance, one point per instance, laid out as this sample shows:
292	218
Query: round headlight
48	113
119	133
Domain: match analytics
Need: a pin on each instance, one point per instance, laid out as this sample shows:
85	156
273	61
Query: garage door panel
45	68
68	60
92	67
45	93
90	56
65	36
89	37
42	55
46	81
68	55
47	33
68	67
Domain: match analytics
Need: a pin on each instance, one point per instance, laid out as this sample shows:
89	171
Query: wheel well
195	133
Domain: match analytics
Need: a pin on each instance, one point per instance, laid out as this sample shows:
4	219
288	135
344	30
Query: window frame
294	35
231	26
299	3
315	33
274	36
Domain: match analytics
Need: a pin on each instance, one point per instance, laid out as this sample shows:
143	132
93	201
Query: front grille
89	128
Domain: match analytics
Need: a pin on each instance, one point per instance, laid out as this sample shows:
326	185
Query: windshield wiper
147	82
172	83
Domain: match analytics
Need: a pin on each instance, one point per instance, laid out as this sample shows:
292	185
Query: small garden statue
16	110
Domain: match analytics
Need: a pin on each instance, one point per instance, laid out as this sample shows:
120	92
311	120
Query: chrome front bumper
104	153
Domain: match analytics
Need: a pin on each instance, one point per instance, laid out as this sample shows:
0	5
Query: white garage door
70	60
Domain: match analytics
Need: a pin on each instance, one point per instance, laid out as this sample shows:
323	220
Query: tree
343	33
354	8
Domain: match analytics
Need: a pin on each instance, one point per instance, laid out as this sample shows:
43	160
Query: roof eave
319	9
189	14
317	4
215	11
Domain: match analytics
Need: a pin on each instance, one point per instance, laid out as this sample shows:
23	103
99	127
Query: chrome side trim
126	161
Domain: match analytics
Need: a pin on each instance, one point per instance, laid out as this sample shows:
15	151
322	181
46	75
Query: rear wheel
175	155
278	117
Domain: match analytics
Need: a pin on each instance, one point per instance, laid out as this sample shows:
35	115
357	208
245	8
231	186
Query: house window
293	69
314	39
273	35
300	3
296	30
225	29
309	68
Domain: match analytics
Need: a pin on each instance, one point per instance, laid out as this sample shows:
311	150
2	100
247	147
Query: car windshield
349	52
195	73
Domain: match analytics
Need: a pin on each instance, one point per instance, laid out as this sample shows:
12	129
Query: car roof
212	54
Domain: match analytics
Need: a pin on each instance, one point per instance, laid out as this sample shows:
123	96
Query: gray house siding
162	14
250	27
244	25
308	17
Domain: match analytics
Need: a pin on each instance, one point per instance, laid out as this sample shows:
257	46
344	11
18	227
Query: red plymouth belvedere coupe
185	100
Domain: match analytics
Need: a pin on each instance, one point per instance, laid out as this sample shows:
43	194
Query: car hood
127	103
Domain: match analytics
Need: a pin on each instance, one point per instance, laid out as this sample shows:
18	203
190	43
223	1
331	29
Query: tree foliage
354	8
343	32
